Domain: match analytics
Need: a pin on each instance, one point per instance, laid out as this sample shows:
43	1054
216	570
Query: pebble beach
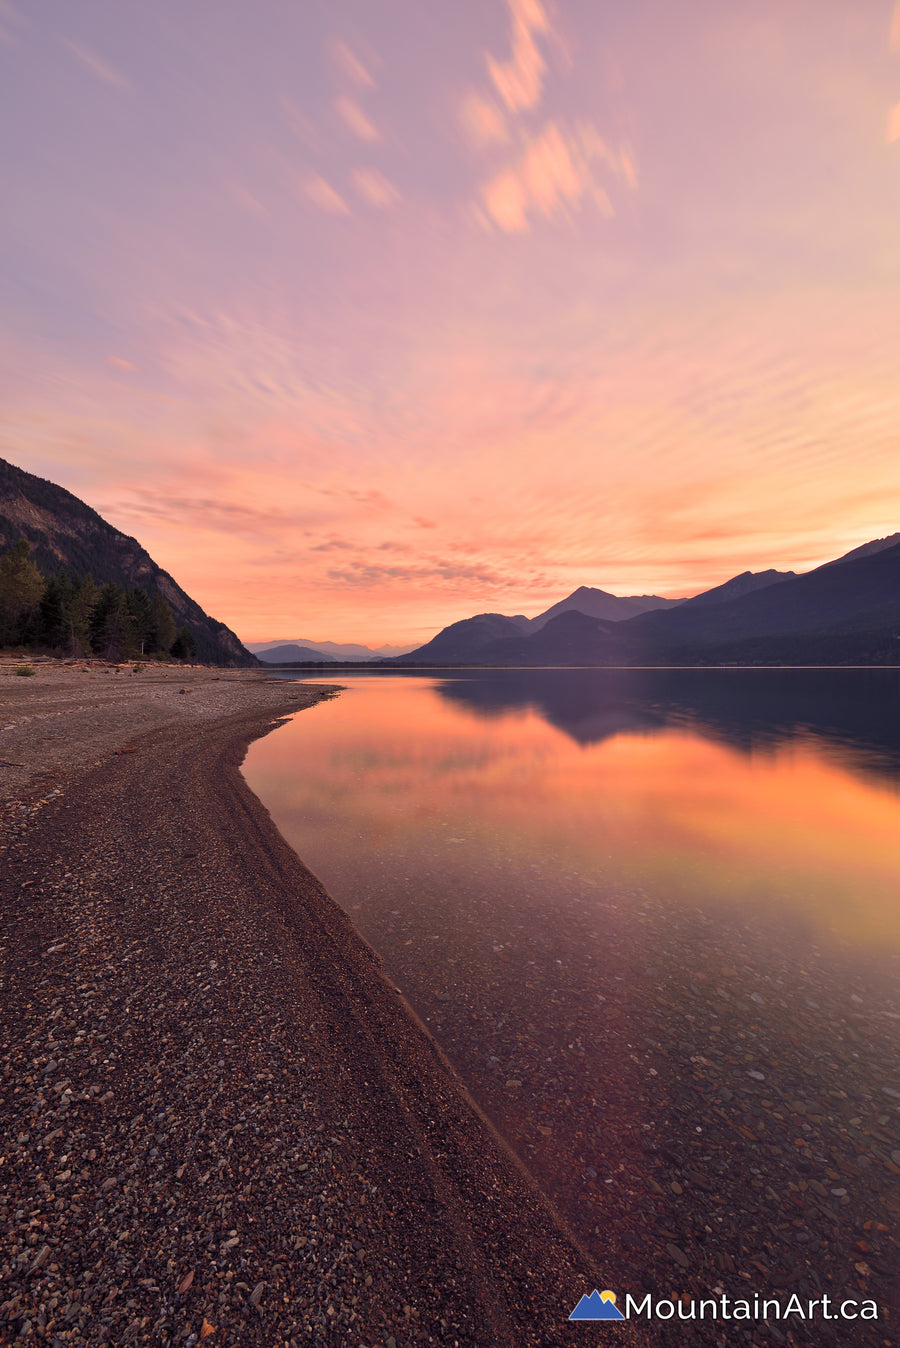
220	1121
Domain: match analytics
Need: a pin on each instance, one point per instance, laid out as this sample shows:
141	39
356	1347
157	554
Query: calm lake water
653	918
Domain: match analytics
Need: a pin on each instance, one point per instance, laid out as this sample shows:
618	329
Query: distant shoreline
388	669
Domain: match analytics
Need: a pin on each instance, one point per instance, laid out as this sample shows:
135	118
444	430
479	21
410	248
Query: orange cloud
375	188
507	202
893	126
353	117
323	195
482	121
519	81
554	171
894	40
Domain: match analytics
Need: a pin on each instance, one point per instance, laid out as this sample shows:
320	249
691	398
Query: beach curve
222	1121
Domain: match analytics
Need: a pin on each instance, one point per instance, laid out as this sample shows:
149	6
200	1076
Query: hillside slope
66	535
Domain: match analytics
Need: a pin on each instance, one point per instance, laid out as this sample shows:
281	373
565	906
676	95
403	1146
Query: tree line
74	616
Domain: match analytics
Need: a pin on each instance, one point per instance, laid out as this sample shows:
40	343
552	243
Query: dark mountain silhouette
571	638
745	583
599	604
68	536
867	549
862	594
340	650
275	655
469	638
844	612
462	641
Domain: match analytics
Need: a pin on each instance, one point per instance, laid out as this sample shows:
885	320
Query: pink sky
370	315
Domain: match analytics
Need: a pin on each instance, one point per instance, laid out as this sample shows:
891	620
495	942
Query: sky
364	316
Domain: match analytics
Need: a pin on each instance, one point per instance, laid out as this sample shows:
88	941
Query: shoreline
222	1121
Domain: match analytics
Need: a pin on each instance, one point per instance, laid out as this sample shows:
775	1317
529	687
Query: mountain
571	638
462	641
67	535
745	583
599	604
348	651
844	612
867	549
860	594
275	655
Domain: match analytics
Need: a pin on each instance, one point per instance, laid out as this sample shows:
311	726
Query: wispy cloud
375	188
362	574
546	171
893	125
96	65
519	80
556	169
218	515
482	121
351	66
323	195
355	120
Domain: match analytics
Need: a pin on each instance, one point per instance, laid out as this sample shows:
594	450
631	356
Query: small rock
41	1259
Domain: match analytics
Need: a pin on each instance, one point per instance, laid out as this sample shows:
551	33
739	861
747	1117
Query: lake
653	919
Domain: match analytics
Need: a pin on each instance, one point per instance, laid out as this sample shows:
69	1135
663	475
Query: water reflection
653	923
851	709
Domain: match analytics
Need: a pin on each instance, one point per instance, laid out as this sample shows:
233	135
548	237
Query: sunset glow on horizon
366	317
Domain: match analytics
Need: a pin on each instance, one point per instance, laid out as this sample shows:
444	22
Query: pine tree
183	646
21	588
163	631
84	599
112	630
53	612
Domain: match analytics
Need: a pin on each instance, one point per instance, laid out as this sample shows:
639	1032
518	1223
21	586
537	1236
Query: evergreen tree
141	619
21	588
53	612
84	599
183	646
112	629
163	631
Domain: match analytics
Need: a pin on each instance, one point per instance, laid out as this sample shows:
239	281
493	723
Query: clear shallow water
419	777
608	893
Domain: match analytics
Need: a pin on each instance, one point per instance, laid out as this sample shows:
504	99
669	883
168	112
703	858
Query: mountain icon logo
597	1306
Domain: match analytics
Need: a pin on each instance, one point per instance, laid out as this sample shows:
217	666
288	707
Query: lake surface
653	919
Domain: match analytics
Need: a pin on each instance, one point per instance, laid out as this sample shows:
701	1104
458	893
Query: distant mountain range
292	654
68	536
287	649
844	612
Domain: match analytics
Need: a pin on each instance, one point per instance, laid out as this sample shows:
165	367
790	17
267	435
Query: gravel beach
220	1121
